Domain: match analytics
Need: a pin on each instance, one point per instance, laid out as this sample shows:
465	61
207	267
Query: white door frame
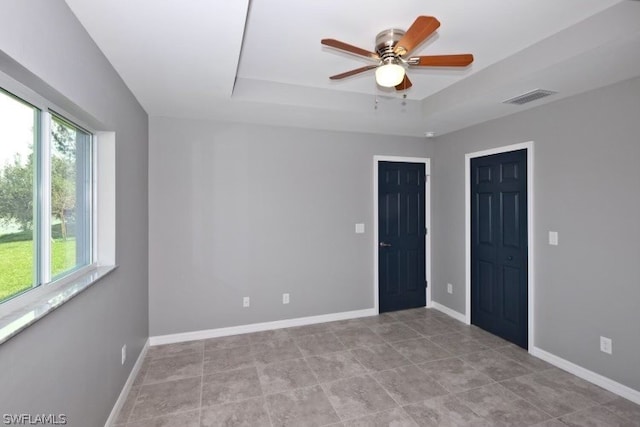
427	218
530	223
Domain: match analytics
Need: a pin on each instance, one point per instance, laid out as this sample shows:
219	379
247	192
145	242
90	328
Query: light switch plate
359	228
606	345
553	238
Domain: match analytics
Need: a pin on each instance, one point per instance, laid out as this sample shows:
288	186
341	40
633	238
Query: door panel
510	220
401	234
511	312
485	286
485	233
499	245
413	204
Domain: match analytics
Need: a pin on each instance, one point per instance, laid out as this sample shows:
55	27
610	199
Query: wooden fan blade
461	60
353	72
421	28
337	44
405	84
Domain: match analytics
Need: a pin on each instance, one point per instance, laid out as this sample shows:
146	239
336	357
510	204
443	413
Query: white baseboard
127	386
448	311
597	379
257	327
587	375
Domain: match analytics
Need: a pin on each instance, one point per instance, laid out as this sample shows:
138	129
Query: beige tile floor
410	368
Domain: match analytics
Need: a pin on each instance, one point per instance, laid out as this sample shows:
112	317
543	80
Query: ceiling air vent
529	96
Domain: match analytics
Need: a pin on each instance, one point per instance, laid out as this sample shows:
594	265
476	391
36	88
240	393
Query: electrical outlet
246	302
606	345
285	298
123	354
449	288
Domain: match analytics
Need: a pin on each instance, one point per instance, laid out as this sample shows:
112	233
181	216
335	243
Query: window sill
24	316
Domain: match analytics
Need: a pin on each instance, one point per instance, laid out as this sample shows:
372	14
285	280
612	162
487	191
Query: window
46	196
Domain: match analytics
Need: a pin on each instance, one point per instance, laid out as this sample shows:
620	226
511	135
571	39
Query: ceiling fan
392	54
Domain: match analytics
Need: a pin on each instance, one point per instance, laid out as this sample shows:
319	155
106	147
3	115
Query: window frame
43	281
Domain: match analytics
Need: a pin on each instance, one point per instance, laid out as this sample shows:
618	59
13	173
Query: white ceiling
261	61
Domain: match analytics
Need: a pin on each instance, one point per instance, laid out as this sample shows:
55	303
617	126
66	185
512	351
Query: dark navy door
499	290
401	235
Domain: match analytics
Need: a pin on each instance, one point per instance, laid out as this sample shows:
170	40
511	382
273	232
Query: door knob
509	258
385	245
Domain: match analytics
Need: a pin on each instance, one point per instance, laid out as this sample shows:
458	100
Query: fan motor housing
386	40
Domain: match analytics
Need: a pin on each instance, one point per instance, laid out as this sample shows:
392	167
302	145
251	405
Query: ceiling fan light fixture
392	50
390	74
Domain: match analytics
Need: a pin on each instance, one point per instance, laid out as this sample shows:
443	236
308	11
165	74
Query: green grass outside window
16	261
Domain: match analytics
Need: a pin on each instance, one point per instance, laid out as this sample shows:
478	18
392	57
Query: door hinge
426	231
426	284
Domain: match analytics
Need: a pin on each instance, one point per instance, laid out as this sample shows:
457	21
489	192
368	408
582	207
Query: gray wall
587	187
69	362
239	210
